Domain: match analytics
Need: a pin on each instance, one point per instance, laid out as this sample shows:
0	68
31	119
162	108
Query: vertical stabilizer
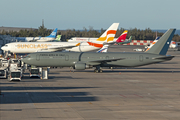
157	38
162	45
122	37
103	49
53	34
109	34
58	38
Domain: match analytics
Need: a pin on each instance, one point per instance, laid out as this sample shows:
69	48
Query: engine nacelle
82	66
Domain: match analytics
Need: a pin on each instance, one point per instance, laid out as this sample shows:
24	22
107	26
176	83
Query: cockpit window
6	45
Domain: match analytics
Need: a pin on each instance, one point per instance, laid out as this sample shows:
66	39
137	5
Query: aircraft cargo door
107	57
141	58
37	57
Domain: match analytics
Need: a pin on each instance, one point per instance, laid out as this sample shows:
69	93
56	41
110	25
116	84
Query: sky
97	14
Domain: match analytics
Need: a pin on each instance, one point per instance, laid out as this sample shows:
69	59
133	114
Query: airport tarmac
149	92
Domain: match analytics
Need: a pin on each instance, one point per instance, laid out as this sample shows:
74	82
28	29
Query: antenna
42	22
156	34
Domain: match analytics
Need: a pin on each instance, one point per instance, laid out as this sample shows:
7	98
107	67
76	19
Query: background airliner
120	39
173	44
29	47
51	37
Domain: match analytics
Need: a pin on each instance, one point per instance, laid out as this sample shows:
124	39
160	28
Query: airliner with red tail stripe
121	39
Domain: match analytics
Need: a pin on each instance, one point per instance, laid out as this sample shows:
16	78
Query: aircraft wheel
100	71
96	71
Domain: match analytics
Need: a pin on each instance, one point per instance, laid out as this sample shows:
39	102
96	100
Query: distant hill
17	29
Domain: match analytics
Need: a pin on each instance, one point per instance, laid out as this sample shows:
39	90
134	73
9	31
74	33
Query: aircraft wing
109	43
108	60
54	49
98	62
34	40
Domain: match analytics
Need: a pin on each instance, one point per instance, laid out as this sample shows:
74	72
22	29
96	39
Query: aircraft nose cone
24	60
2	48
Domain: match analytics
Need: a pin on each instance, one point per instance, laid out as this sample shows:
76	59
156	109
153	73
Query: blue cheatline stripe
102	50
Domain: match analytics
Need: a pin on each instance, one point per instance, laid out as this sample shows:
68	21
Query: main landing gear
98	70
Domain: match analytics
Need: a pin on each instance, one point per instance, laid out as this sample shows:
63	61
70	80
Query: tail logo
122	37
113	32
53	33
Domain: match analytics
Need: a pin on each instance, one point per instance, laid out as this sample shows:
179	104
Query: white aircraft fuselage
85	39
37	39
30	47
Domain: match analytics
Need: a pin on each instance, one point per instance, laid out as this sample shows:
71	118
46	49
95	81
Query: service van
15	75
3	72
34	72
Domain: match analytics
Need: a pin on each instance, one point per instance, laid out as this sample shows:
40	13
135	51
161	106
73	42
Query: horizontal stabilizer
164	57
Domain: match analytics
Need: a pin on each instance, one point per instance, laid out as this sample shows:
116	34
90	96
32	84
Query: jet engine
82	66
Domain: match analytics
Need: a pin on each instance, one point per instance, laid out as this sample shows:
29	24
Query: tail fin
53	34
130	39
58	38
157	38
109	34
126	41
103	49
122	37
163	43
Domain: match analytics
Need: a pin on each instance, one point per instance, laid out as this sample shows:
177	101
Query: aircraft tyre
98	70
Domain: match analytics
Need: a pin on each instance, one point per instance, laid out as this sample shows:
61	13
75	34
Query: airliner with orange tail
120	40
30	47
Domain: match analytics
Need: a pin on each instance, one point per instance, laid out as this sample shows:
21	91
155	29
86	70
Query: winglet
162	45
78	44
